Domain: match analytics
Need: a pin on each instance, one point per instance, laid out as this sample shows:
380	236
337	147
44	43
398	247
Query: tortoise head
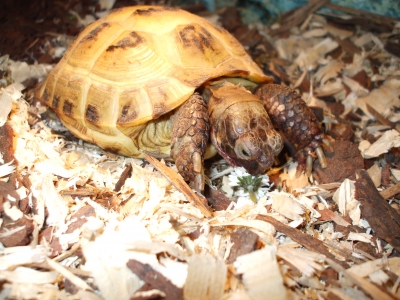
241	130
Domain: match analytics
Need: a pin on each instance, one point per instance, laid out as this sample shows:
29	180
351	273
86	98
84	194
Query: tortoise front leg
297	122
189	139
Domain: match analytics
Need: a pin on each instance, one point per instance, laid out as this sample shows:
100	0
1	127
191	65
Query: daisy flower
247	185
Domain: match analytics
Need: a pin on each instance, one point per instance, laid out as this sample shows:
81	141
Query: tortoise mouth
253	159
253	167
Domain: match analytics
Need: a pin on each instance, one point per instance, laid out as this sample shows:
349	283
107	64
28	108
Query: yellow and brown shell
133	66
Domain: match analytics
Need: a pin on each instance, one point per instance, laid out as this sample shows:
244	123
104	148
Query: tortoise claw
306	156
198	183
197	162
321	157
309	165
326	142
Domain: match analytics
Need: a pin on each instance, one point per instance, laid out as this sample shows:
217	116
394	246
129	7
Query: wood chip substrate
81	223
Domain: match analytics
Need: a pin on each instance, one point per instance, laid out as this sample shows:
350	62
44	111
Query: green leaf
250	184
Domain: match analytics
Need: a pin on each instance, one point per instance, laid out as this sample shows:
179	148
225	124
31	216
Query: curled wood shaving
363	270
286	205
307	262
261	274
206	277
28	276
374	291
18	256
107	251
389	139
388	95
308	59
344	197
375	172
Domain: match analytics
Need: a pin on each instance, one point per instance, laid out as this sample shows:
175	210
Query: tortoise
162	81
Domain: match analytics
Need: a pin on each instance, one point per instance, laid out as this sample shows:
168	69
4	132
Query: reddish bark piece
6	145
336	108
155	280
342	163
326	215
54	243
195	234
244	241
6	186
6	149
363	79
217	200
329	215
329	276
18	238
81	218
24	205
347	230
1	203
8	189
250	38
367	248
247	37
382	218
385	181
125	174
71	288
230	18
348	46
342	132
304	87
278	71
393	48
303	239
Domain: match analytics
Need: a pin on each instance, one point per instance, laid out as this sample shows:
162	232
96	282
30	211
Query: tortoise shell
129	68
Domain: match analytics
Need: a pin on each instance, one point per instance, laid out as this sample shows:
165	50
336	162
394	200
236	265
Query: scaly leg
190	134
296	121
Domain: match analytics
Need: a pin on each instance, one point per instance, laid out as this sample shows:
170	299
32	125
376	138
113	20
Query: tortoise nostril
242	150
245	153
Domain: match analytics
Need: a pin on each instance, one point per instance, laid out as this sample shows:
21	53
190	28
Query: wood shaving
206	278
389	139
261	274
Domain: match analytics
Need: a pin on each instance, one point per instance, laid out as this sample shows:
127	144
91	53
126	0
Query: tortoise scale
162	81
